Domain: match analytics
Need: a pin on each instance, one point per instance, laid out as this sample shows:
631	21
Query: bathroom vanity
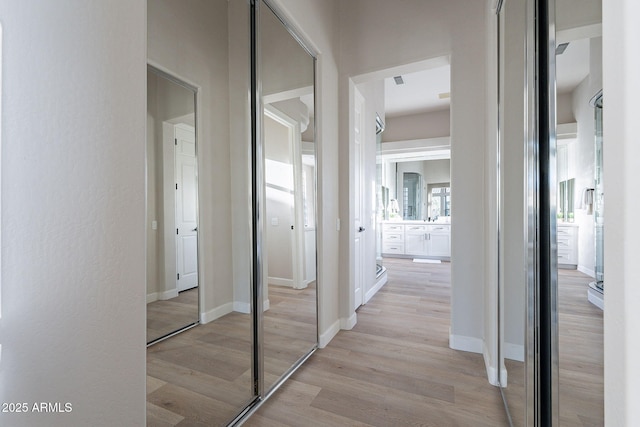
419	239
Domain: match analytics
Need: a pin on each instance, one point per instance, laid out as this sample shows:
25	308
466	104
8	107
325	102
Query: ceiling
419	93
421	90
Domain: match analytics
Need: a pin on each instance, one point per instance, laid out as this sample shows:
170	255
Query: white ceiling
572	66
420	91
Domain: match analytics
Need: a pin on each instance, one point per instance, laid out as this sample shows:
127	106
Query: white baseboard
242	307
265	305
328	335
492	372
279	281
152	297
595	298
514	352
171	293
587	271
216	313
470	344
348	323
379	284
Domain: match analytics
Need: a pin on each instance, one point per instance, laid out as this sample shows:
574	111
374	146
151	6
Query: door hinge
175	140
176	185
178	276
177	231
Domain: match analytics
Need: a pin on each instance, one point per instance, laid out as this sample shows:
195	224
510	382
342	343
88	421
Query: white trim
279	281
579	33
242	307
216	313
595	298
589	272
171	293
379	284
514	352
492	372
328	335
462	343
348	323
266	305
152	297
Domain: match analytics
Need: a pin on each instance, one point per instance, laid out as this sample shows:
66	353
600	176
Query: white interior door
186	208
358	225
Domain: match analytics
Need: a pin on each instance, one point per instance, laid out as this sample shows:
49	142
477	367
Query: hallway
394	368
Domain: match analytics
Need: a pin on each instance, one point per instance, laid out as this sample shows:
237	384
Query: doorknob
195	229
361	229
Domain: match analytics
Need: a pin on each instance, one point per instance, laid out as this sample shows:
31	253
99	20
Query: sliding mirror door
205	375
517	193
172	206
288	186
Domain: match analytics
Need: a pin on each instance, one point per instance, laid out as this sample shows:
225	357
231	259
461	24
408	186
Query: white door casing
358	223
186	207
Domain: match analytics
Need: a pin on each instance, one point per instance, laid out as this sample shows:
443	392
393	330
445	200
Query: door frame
297	237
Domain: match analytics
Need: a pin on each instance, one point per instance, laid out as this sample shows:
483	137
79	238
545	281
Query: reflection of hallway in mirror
289	328
581	356
171	315
394	367
200	376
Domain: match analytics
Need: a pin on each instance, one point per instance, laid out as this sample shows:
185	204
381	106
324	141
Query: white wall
621	36
73	210
434	124
317	23
371	42
190	40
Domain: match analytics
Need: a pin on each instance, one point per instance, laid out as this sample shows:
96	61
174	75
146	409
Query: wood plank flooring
394	368
581	358
167	316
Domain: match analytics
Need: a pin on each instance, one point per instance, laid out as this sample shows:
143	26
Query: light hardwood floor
167	316
581	358
395	368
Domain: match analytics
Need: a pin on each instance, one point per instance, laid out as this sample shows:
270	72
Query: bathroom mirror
566	200
172	206
289	194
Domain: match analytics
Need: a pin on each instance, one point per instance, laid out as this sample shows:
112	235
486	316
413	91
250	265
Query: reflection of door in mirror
288	187
172	242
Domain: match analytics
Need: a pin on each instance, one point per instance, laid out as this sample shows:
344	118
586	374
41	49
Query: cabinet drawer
393	248
415	229
398	228
393	237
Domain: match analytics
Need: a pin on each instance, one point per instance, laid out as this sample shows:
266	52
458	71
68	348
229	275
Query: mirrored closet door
172	206
288	194
205	375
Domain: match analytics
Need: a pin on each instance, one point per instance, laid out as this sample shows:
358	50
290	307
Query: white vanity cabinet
567	245
393	239
416	239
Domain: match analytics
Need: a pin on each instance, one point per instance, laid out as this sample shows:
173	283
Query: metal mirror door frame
541	314
257	157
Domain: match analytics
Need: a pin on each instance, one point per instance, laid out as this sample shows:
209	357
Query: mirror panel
206	375
513	261
288	212
172	204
